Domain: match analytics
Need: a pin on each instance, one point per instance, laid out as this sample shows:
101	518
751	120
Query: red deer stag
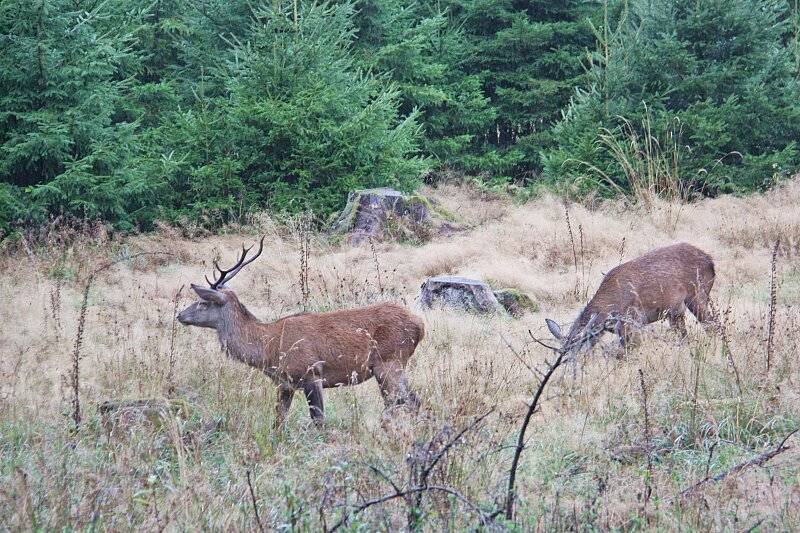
662	283
315	350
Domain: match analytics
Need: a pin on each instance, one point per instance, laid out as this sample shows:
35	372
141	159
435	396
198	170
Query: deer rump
661	283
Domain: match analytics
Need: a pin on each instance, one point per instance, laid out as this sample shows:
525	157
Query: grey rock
460	293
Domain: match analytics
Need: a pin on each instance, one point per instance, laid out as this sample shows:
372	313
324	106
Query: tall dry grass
593	459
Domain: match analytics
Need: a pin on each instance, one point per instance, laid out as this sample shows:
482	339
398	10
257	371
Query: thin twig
648	489
171	362
757	460
571	237
304	230
517	355
561	352
724	333
755	526
773	301
554	348
452	442
377	265
421	486
76	354
253	499
710	455
384	476
512	476
485	516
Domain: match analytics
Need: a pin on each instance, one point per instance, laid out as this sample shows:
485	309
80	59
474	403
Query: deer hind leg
677	322
285	396
393	382
313	392
698	305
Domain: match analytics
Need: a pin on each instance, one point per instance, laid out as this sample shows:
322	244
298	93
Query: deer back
337	344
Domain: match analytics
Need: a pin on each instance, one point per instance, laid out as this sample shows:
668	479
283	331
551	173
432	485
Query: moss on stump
387	214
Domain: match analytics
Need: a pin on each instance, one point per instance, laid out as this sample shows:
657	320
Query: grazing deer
662	283
312	351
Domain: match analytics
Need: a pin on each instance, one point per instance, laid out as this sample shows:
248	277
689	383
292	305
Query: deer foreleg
285	396
393	382
313	392
699	307
628	334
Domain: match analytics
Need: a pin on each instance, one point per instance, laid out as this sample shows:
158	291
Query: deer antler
227	274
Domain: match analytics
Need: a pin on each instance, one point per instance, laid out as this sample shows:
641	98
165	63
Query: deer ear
210	295
554	329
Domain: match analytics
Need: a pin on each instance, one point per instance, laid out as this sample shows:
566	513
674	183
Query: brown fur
662	283
315	350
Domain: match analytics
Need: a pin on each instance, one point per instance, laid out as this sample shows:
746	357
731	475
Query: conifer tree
300	125
717	75
427	54
529	56
61	144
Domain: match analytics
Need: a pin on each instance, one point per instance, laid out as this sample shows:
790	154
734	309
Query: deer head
208	311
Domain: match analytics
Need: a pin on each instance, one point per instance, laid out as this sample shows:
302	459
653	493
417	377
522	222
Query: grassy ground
614	446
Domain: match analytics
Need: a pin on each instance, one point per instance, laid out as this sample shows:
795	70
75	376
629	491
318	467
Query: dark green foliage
530	56
427	54
14	208
61	83
202	111
489	76
299	124
205	111
309	124
716	74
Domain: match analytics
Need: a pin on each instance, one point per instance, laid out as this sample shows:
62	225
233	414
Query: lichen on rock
460	293
516	302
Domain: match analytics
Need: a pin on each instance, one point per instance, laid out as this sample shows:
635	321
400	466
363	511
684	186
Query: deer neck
245	338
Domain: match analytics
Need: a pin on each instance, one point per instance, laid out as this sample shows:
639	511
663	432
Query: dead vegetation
685	434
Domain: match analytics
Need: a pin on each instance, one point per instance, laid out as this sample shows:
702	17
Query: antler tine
216	282
227	274
224	272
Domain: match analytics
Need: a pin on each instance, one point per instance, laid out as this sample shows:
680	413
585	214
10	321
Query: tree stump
461	293
379	214
123	415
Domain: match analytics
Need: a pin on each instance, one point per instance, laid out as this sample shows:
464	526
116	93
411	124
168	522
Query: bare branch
451	443
517	355
253	499
554	348
76	354
421	487
757	460
485	515
384	476
588	333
